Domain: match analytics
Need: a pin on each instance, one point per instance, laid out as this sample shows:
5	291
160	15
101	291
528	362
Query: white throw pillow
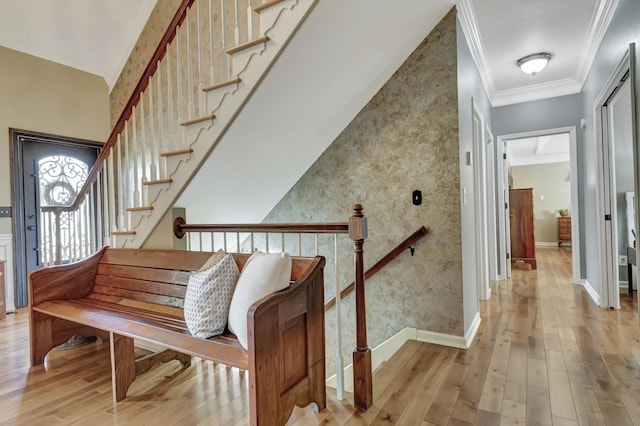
263	273
208	296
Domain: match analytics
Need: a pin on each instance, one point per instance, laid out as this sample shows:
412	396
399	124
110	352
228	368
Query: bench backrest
156	280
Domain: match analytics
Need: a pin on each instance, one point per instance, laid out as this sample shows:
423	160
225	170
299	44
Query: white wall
623	30
469	87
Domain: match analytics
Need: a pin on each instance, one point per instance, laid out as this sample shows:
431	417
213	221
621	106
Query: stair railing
291	238
192	59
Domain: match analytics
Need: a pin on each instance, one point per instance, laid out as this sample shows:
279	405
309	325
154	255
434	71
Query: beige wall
405	138
551	182
42	96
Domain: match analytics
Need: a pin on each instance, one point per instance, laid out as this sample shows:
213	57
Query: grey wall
469	87
552	113
623	30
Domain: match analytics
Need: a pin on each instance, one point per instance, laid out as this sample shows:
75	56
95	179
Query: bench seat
124	294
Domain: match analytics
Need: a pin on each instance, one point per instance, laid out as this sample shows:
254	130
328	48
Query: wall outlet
5	211
622	260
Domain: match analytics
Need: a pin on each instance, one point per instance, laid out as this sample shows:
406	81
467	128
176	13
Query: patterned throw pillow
208	296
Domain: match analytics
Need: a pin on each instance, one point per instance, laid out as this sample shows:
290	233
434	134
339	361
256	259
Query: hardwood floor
544	355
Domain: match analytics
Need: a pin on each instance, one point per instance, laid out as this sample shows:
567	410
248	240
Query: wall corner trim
592	292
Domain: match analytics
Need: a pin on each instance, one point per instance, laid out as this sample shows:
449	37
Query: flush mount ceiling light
533	64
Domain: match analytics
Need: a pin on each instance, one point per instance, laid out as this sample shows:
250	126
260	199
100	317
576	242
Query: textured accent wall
405	138
149	39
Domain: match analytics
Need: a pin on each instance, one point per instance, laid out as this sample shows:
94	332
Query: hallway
544	355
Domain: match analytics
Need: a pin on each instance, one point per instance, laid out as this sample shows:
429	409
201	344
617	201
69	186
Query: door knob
31	228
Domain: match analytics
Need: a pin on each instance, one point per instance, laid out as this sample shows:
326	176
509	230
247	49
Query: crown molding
535	92
598	26
469	24
600	21
133	30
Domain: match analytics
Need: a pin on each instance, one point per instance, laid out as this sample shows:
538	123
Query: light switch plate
5	211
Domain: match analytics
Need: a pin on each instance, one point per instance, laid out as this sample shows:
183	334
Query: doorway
544	142
47	170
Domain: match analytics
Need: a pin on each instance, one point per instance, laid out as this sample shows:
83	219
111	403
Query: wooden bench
122	294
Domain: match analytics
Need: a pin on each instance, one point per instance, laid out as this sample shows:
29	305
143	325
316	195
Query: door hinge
504	156
506	206
607	217
508	256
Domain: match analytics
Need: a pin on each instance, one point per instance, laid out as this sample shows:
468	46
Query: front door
50	170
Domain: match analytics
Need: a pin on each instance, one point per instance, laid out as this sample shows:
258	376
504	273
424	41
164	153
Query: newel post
362	378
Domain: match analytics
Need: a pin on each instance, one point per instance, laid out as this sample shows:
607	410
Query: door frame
574	184
17	139
607	241
479	148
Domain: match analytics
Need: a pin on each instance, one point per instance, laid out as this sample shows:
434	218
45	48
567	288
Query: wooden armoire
523	244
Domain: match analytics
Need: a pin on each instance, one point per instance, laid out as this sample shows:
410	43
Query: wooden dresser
523	244
3	302
564	230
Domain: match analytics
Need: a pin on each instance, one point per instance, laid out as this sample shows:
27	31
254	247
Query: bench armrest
70	281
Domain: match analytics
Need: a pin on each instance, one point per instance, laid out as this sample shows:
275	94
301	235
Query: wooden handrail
180	228
407	243
158	54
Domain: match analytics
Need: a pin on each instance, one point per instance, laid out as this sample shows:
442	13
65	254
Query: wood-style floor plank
545	354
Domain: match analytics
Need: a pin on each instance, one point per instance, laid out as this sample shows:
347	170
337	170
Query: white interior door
480	203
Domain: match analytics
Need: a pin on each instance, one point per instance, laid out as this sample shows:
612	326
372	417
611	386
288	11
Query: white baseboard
470	334
389	347
6	253
594	295
549	244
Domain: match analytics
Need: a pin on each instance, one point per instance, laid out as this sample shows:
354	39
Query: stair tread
123	233
176	152
222	84
139	209
198	120
247	45
157	182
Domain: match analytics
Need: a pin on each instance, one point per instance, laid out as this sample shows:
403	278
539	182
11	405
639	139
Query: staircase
213	59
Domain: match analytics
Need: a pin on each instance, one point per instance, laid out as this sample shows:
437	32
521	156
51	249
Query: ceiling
502	31
538	150
95	36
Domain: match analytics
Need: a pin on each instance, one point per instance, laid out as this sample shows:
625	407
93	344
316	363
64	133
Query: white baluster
179	82
236	31
191	108
122	174
299	244
161	138
96	215
137	201
110	193
143	154
128	174
170	141
249	22
153	141
201	98
212	48
227	64
105	199
339	361
92	222
52	235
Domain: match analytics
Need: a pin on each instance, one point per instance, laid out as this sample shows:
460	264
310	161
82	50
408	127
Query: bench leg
40	337
123	367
